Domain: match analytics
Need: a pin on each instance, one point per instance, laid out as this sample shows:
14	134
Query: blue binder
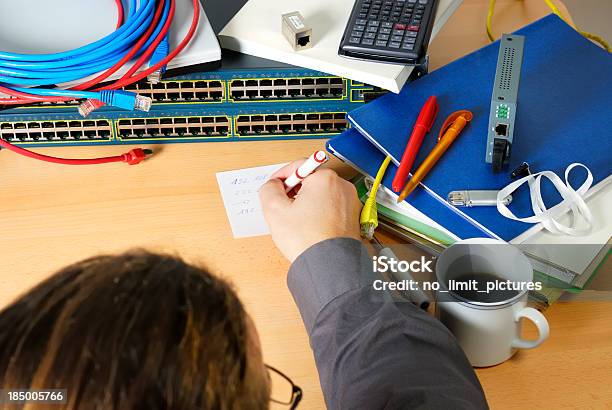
564	115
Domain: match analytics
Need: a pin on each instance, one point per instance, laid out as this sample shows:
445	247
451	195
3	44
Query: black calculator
394	31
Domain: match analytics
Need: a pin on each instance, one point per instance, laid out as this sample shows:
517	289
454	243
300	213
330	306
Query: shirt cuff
326	271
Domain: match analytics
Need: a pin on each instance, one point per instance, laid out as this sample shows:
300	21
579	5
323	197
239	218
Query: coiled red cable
120	13
137	155
128	78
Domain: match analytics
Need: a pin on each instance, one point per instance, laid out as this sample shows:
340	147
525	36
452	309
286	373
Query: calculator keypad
390	24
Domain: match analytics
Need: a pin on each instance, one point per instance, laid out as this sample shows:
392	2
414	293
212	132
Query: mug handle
541	323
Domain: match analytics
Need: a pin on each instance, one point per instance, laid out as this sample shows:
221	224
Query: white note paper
239	190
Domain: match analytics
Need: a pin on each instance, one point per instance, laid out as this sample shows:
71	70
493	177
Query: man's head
138	330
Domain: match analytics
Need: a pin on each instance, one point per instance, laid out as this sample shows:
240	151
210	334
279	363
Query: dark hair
137	330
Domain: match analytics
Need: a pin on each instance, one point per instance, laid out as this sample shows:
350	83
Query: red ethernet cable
119	13
131	53
132	157
95	104
23	98
172	54
145	56
136	155
125	80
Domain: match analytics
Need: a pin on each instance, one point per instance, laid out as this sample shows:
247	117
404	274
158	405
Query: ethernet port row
177	127
281	89
181	91
283	124
46	131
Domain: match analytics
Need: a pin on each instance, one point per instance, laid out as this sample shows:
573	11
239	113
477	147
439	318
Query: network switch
227	87
278	102
249	98
198	123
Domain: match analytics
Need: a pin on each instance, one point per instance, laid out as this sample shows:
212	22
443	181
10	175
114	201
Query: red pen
423	124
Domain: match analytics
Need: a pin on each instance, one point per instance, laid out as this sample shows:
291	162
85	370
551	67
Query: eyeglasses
283	390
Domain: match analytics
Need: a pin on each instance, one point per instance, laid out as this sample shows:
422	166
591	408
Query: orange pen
449	132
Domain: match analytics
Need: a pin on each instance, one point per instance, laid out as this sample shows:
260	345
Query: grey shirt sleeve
372	353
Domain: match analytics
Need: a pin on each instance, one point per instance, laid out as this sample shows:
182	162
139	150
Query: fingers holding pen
272	195
327	206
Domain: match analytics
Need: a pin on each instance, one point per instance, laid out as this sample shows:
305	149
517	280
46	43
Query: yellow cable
489	18
586	34
596	38
369	213
556	11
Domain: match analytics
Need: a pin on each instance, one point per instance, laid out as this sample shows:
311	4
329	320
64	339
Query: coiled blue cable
18	70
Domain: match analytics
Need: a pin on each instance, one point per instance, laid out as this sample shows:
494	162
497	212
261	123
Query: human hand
325	206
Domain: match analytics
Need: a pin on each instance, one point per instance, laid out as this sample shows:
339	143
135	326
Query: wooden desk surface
53	215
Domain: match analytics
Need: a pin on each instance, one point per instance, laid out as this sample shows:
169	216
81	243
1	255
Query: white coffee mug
487	325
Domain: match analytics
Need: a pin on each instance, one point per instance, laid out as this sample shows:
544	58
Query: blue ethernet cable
161	51
117	98
114	45
32	70
134	24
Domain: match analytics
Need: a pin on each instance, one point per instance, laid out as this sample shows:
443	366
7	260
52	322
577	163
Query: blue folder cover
564	115
352	148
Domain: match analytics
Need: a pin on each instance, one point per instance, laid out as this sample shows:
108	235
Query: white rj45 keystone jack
295	30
